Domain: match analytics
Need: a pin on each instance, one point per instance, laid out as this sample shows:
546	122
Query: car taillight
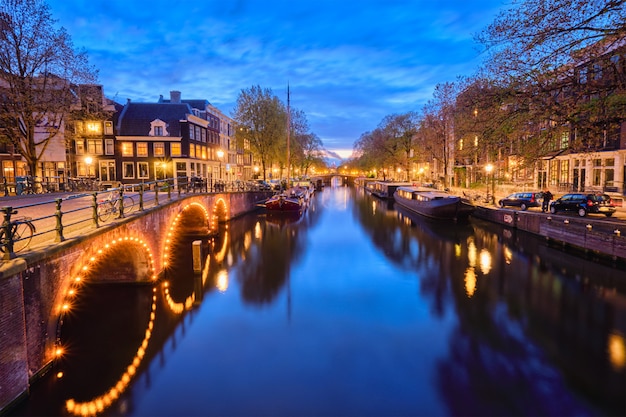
532	198
589	203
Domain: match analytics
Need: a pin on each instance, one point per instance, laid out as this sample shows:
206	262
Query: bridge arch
221	211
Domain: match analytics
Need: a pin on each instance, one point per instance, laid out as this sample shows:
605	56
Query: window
108	128
597	175
107	170
192	150
582	75
191	132
159	149
80	147
597	72
142	148
175	149
158	128
127	149
564	140
129	169
94	146
142	170
109	147
93	128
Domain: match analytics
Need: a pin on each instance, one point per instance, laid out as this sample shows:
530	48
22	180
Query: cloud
348	64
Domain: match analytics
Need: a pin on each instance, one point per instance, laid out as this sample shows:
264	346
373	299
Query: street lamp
220	155
88	161
489	170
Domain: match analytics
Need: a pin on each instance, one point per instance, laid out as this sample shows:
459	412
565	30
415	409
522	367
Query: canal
356	309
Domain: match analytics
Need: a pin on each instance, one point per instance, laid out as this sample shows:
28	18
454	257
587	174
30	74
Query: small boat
433	203
286	202
384	189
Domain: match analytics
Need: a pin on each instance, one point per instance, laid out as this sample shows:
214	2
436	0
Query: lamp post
220	155
88	161
489	170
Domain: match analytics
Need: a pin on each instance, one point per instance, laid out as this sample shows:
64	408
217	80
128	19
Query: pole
288	136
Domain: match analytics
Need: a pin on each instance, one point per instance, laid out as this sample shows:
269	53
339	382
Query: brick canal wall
600	237
34	289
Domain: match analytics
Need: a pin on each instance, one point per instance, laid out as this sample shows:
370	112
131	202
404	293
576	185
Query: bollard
120	202
59	216
7	233
141	189
94	206
196	251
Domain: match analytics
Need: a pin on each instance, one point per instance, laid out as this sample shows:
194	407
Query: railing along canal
78	211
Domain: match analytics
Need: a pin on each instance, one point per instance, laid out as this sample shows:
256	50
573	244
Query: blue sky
348	63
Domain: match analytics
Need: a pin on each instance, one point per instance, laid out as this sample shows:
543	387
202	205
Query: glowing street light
220	155
89	161
489	170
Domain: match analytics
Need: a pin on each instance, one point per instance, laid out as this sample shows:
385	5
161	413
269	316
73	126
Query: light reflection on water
357	308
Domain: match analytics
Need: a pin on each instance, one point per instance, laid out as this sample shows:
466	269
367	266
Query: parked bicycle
111	205
22	231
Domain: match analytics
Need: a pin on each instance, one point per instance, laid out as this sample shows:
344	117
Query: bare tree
540	35
39	69
555	56
261	120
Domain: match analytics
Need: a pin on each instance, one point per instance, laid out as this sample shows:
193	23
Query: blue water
357	309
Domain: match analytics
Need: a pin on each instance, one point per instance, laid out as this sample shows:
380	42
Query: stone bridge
37	290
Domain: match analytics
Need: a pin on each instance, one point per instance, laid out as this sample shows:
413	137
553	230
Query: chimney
175	97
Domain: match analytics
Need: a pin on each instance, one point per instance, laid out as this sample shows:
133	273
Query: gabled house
166	139
90	136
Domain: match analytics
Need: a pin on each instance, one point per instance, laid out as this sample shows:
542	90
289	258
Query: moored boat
384	189
433	203
285	202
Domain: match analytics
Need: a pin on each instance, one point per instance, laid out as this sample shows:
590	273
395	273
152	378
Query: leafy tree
39	70
546	51
400	130
261	121
436	132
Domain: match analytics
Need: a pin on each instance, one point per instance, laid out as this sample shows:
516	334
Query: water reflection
356	308
522	306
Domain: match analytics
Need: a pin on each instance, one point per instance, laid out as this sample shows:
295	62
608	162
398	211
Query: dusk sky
348	63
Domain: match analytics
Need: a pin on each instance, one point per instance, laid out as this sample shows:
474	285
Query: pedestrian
547	196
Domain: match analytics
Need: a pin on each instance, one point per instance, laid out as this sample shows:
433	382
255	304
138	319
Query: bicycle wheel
104	210
22	235
129	204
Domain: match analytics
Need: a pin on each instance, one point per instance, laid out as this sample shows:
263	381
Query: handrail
63	219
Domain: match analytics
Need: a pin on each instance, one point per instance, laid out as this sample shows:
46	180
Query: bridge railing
54	220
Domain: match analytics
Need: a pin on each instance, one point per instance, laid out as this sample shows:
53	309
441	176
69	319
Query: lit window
159	149
175	149
80	147
127	149
93	128
94	146
142	149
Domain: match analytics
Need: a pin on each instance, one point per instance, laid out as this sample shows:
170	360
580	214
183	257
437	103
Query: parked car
582	203
262	185
522	200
